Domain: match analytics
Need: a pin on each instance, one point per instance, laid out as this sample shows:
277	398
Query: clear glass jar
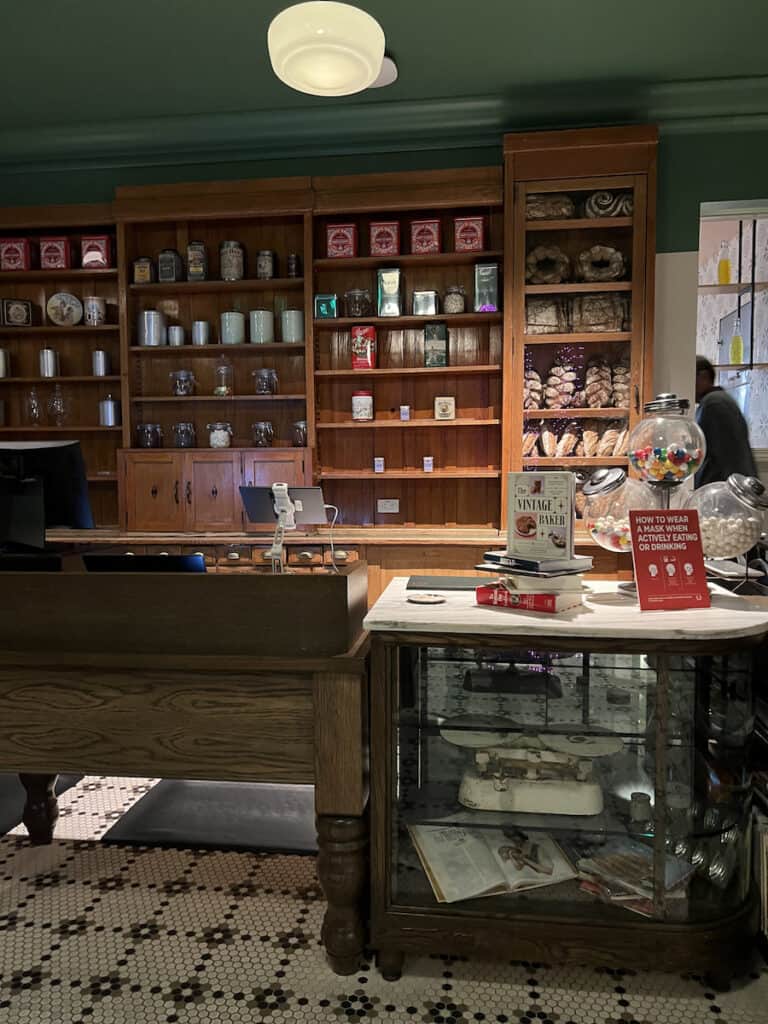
149	435
223	380
609	495
455	299
668	446
263	434
184	435
59	407
33	408
231	261
731	515
358	302
265	381
300	434
182	383
219	434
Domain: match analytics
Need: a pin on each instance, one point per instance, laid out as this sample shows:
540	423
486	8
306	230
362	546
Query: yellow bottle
724	265
736	352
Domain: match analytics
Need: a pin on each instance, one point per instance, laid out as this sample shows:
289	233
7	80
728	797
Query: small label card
669	563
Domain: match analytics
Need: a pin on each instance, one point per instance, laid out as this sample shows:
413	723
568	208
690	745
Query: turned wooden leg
390	963
41	809
342	870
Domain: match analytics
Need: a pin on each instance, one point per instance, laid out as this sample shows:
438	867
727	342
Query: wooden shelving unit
578	287
414	371
406	424
397	323
439	259
216	287
610	413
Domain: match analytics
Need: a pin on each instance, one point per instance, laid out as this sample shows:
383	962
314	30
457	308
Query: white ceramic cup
262	323
201	332
175	335
95	310
232	328
292	325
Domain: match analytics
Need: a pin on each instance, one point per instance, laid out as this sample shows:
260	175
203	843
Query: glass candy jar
731	515
263	434
184	435
300	434
182	383
149	435
667	446
265	381
219	435
224	380
59	407
454	300
609	495
357	302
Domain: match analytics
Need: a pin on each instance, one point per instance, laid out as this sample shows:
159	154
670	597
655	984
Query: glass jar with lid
265	381
231	260
182	383
149	435
731	515
219	434
300	434
184	435
455	299
263	434
667	446
609	495
223	379
358	302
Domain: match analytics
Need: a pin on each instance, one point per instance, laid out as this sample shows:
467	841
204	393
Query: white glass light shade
325	48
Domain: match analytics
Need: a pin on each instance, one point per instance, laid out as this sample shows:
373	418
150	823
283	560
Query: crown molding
370	126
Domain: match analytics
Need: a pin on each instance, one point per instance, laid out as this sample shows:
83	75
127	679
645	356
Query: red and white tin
16	254
55	253
341	240
385	238
425	237
95	252
363	348
468	234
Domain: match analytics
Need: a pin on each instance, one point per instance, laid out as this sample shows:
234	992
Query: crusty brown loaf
568	441
548	441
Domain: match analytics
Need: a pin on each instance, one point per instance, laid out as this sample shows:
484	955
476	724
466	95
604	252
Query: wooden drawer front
234	556
305	554
344	555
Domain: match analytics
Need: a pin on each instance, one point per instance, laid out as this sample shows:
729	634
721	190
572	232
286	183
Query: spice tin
197	261
169	266
362	405
363	348
55	253
486	288
435	345
100	363
293	265
405	412
231	261
143	270
265	264
378	464
341	240
385	238
17	313
16	254
95	252
468	234
428	462
425	236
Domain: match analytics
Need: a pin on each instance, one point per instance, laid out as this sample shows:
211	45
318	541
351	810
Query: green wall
694	167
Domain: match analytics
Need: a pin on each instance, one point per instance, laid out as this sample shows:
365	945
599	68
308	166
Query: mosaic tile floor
97	934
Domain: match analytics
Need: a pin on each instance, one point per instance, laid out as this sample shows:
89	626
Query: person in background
724	427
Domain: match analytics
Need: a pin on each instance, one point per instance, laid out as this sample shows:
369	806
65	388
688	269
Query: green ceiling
157	80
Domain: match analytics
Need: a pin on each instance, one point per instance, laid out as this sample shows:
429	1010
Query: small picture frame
445	407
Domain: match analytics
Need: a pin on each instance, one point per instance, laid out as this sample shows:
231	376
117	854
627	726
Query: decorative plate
64	310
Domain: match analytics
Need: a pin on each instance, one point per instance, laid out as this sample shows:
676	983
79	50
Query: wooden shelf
80	329
437	259
90	379
393	424
74	430
73	274
576	414
408	371
144	399
291	347
578	287
281	284
579	223
102	478
576	461
593	337
410	474
400	322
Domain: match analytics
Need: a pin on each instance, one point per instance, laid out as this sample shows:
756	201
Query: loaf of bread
591	435
608	439
620	379
620	448
598	389
532	390
568	441
548	441
561	384
530	440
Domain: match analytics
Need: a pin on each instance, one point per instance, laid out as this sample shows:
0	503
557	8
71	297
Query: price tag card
669	563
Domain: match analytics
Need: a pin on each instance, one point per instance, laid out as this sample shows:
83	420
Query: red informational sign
669	563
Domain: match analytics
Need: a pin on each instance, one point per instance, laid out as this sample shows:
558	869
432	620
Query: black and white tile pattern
97	934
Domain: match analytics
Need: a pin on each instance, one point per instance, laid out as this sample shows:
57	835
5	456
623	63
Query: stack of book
540	571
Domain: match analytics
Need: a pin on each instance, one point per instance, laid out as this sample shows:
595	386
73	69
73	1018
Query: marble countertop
606	613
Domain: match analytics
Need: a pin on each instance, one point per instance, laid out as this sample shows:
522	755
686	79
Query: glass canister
184	435
219	434
149	435
263	434
223	380
182	383
231	261
731	515
265	264
667	446
59	407
609	495
455	299
300	434
358	302
265	381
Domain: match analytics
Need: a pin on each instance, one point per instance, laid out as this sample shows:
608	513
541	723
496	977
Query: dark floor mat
224	815
12	797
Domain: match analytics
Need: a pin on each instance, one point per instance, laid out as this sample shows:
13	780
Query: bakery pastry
560	385
620	379
607	442
620	448
530	440
600	263
548	441
532	390
598	389
547	264
568	441
591	435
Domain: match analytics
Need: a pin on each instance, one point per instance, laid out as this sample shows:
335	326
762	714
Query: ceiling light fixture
326	49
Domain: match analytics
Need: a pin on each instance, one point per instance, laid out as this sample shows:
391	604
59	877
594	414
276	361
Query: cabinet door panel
153	492
211	497
264	467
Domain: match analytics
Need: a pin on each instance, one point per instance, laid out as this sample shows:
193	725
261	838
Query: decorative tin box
388	292
435	345
468	234
425	236
17	313
424	303
445	407
55	253
364	348
341	240
170	267
16	254
326	307
486	288
143	270
197	261
95	252
385	238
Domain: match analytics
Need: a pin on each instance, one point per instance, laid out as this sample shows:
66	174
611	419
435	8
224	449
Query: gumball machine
667	447
610	495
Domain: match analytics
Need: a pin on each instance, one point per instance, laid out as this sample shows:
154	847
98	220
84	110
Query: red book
498	596
669	563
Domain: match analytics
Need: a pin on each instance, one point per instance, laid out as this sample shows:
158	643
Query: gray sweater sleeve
727	438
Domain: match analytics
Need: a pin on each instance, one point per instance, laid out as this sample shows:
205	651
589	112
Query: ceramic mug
262	326
201	332
95	310
232	328
292	325
175	335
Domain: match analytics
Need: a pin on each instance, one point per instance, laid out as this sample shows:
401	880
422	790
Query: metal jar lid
668	403
750	490
603	481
